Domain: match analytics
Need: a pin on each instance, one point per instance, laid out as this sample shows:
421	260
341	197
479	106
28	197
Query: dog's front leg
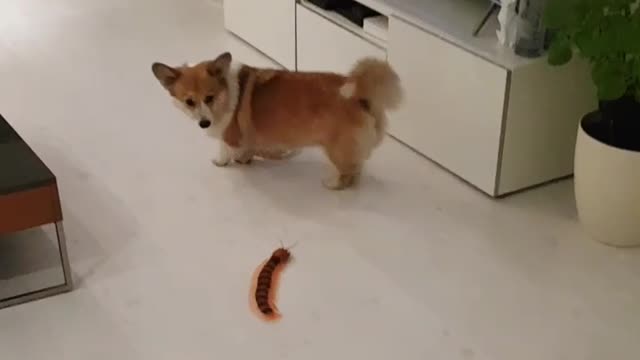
228	154
225	155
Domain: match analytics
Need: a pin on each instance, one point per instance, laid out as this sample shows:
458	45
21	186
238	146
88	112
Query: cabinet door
325	46
269	26
454	103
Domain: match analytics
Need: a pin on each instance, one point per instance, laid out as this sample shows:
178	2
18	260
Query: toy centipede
265	284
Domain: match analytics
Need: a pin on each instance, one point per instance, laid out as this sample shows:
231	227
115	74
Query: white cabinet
270	26
502	130
545	106
325	46
454	103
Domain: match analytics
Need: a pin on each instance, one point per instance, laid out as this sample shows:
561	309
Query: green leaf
621	34
630	40
591	43
606	33
609	77
560	53
612	89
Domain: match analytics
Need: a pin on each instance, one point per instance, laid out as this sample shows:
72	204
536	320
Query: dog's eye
190	102
208	100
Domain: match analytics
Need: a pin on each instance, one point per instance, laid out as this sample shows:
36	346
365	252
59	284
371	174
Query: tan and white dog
266	112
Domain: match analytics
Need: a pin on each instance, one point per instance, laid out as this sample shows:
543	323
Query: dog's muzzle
204	123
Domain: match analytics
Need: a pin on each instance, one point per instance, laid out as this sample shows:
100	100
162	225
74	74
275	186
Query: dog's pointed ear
165	74
220	66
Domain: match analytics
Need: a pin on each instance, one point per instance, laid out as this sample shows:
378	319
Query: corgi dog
267	112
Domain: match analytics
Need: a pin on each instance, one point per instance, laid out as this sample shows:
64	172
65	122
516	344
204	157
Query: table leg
54	290
64	255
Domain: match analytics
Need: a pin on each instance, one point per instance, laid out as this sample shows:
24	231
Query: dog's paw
340	182
333	183
221	162
245	161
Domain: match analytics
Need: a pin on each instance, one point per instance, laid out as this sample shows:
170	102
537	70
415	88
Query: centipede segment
265	283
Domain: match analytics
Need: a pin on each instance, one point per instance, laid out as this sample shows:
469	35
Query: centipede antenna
294	245
290	247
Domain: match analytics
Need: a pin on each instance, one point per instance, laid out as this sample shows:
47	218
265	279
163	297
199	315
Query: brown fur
278	109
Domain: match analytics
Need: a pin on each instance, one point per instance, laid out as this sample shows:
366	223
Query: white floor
412	265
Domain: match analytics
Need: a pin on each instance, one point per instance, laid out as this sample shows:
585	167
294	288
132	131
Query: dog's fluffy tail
375	82
376	86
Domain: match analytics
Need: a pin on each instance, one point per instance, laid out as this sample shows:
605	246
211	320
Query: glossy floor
412	265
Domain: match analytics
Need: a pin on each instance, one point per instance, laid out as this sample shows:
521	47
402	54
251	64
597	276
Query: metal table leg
50	291
64	255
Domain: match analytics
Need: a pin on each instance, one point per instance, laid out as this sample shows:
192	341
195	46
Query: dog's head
203	91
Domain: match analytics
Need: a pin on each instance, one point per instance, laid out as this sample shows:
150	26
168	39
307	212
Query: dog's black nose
204	123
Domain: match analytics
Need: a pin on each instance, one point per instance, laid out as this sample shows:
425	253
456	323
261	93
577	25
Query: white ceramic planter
607	189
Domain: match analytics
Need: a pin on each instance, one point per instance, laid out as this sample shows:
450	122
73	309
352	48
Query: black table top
20	168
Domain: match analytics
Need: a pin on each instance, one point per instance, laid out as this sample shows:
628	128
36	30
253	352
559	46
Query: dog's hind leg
245	157
344	155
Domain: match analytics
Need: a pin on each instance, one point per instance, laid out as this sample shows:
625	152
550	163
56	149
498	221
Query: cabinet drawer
267	25
325	46
454	103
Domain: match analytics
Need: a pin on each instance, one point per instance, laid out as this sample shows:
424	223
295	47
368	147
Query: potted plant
607	158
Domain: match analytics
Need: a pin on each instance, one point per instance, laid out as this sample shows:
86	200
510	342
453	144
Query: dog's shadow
295	187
